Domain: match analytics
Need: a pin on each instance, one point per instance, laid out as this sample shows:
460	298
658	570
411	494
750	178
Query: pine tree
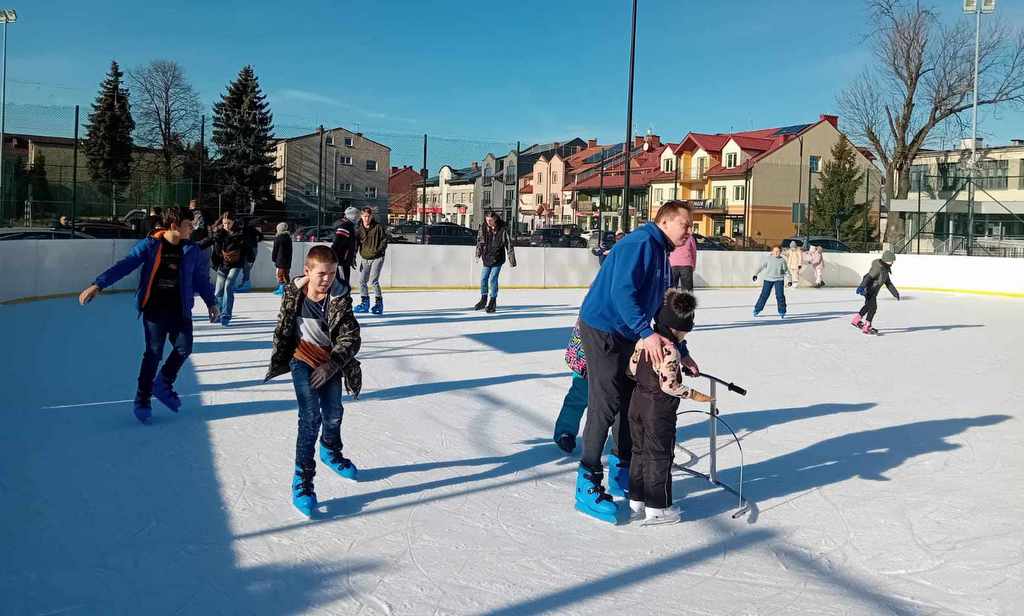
835	201
108	134
243	133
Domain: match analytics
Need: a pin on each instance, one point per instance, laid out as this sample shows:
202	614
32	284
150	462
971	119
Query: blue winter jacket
630	286
194	272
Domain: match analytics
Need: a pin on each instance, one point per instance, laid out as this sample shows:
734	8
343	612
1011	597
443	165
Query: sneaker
658	517
636	510
566	442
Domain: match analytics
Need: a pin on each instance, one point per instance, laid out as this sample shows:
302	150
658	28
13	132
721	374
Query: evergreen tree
835	201
108	134
243	133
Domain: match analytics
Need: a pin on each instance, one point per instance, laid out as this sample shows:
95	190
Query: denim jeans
573	406
225	290
489	280
316	406
159	328
369	276
780	295
246	272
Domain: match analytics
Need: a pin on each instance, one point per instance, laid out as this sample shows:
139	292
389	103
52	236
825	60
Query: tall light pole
624	214
977	7
8	16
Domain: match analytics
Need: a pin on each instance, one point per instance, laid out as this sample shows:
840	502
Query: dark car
706	243
556	237
105	230
310	234
827	244
40	233
404	231
446	234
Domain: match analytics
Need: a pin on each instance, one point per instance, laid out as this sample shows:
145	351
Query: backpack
574	356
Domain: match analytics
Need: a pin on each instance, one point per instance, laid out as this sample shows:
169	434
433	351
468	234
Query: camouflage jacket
341	326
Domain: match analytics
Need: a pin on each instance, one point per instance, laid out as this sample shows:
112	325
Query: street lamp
977	7
8	16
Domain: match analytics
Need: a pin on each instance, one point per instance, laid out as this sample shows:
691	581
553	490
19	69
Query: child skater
876	278
316	339
652	413
775	272
567	426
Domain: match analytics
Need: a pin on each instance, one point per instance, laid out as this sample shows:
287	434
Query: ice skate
591	499
163	392
378	306
303	496
618	476
660	517
338	463
364	306
143	411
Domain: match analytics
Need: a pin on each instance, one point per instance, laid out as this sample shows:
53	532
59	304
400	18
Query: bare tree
923	76
167	113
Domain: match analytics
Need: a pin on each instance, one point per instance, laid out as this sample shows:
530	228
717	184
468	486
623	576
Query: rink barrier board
45	269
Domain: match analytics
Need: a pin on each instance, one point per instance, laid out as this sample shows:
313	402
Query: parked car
404	231
706	243
595	239
310	234
556	237
446	233
828	244
105	230
40	233
725	240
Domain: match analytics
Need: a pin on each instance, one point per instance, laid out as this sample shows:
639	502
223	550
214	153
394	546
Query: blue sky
481	75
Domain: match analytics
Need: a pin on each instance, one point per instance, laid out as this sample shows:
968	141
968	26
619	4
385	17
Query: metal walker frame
743	505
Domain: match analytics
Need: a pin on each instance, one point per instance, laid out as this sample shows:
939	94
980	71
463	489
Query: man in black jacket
492	242
373	244
345	244
282	256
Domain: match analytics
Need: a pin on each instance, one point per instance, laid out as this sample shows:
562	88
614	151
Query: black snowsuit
652	426
876	278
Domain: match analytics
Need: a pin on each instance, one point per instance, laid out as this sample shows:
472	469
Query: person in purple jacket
683	261
616	313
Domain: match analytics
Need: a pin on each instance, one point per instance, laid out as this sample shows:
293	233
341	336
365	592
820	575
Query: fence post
74	178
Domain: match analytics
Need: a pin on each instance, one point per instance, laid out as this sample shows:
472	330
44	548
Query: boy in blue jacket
626	294
173	270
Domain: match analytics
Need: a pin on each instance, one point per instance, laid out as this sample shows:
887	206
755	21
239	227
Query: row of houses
741	184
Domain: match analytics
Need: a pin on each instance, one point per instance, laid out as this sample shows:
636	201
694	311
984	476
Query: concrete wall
41	268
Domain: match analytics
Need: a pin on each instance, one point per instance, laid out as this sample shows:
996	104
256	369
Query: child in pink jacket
816	259
683	261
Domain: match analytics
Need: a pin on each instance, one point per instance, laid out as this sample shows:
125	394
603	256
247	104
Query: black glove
755	277
323	373
789	284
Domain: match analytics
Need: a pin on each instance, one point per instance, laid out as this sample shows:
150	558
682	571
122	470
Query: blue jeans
225	290
316	406
489	280
573	406
780	295
158	328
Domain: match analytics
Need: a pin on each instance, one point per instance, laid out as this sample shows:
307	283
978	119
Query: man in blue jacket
173	270
617	312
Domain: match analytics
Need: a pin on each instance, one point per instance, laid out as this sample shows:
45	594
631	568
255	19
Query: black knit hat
676	311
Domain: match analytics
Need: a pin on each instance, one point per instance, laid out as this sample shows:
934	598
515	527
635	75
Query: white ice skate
658	517
636	511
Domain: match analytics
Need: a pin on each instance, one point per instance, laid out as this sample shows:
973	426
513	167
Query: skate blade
663	521
611	518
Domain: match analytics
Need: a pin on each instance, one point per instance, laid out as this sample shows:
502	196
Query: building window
309	189
344	187
509	197
737	193
815	164
554	177
730	160
371	165
349	142
658	194
346	160
328	140
720	194
540	178
487	198
993	174
669	166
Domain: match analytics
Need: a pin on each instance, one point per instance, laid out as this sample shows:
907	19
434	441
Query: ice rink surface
885	471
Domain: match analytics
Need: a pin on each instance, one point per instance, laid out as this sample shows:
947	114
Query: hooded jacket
342	327
194	272
630	286
491	246
373	240
282	253
878	277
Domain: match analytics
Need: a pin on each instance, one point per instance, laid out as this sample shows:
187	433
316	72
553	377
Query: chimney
1017	142
831	119
638	142
655	140
591	143
394	170
965	144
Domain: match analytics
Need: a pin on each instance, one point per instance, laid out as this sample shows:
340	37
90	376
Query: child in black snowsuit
870	286
652	413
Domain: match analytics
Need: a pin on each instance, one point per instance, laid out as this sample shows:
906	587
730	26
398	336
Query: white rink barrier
33	269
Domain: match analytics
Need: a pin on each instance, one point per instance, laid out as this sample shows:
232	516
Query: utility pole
515	203
74	178
600	197
202	160
423	176
319	185
624	215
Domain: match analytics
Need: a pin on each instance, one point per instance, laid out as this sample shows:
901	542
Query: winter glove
860	290
755	278
789	284
323	373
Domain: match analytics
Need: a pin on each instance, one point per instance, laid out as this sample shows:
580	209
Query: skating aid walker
713	419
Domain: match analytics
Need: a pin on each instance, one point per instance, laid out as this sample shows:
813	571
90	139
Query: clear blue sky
483	75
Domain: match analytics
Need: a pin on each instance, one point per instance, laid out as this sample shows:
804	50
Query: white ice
886	471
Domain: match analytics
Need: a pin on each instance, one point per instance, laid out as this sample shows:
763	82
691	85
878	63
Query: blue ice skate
757	313
163	392
279	290
364	306
303	496
378	306
143	411
591	499
338	463
618	476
